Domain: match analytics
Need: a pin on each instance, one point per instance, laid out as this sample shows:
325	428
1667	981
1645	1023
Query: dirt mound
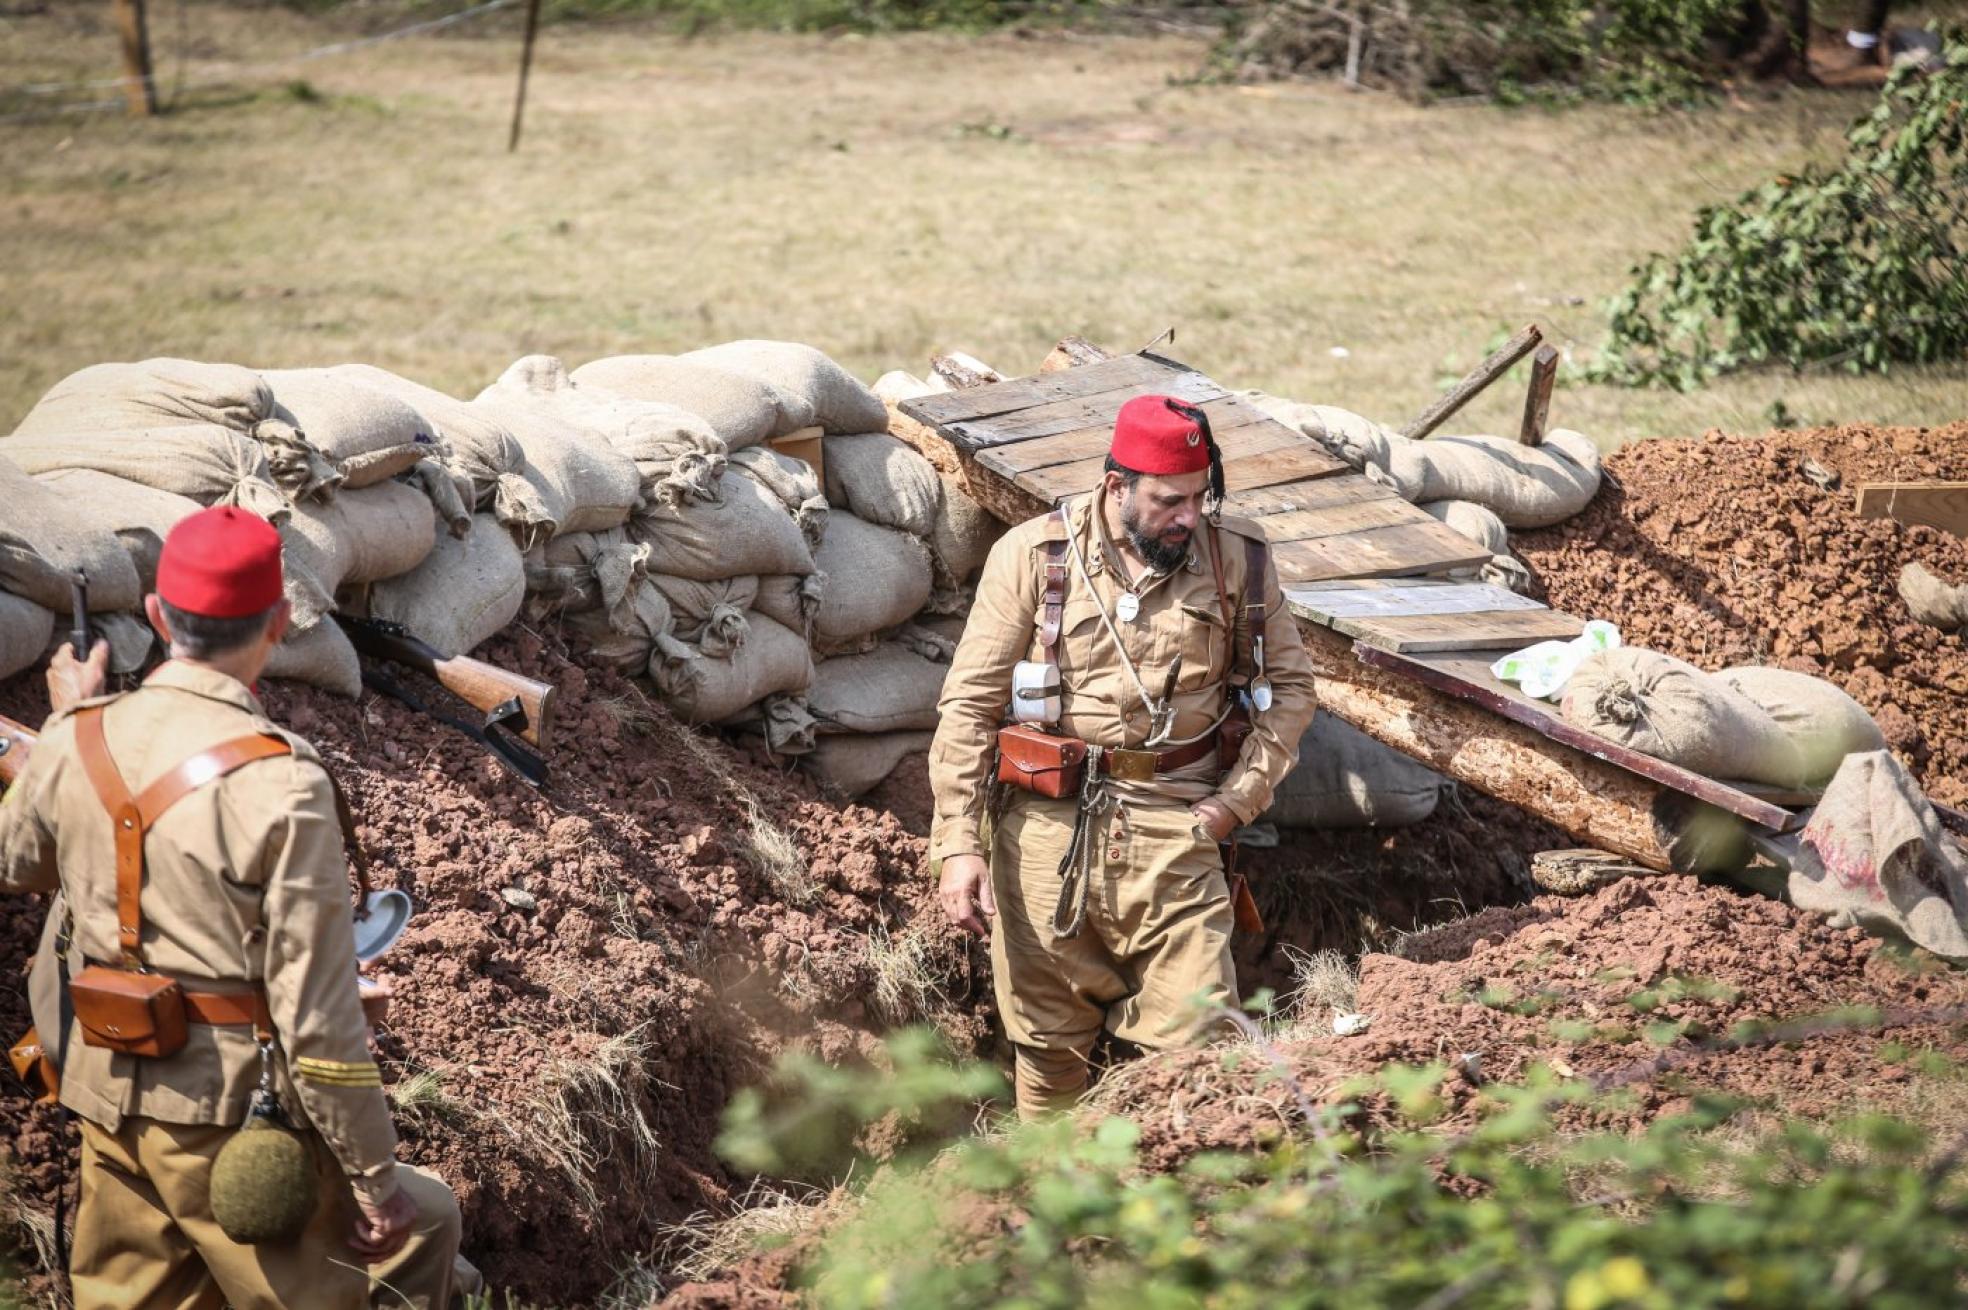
594	968
1723	551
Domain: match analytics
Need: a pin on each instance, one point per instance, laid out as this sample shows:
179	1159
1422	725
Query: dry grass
703	1246
905	984
879	198
1324	984
587	1114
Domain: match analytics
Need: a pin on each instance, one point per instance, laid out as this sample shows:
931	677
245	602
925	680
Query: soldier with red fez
1137	631
226	960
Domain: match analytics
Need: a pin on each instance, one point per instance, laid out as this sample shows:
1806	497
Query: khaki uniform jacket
245	881
1179	616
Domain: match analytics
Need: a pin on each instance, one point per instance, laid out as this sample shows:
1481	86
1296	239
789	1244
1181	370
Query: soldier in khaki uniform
244	894
1111	907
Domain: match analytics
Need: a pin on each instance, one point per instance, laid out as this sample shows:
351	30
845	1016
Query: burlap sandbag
371	434
120	418
782	719
1932	601
139	517
795	484
878	478
1483	527
791	599
880	577
581	572
362	536
1346	779
1823	723
1671	710
478	449
211	465
710	615
1352	437
46	535
25	631
645	644
890	689
320	656
465	590
774	659
743	410
856	764
836	400
584	484
127	633
677	454
746	532
1526	486
961	537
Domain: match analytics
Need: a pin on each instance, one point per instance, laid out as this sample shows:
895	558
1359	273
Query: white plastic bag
1544	669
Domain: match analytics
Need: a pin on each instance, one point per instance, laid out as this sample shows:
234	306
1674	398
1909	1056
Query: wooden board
1467	677
1424	598
1407	549
1239	474
1337	520
1012	453
1494	630
1078	413
1942	505
1316	494
1023	393
1013	460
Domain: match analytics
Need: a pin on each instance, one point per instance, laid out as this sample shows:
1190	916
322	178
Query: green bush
1510	1214
1859	265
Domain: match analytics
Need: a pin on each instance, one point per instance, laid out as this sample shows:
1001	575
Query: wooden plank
1090	411
1537	401
1012	455
1023	393
1073	352
1942	505
1407	549
1316	494
1467	677
1264	469
1376	600
1491	630
1481	376
1337	520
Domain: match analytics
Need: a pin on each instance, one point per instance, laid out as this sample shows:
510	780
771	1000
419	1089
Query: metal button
1113	852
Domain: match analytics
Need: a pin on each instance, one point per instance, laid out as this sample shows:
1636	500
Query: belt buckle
1131	765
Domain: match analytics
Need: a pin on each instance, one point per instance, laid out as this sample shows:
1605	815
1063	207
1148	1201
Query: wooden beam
963	371
1481	376
525	68
1942	505
1072	352
1596	802
1537	402
133	34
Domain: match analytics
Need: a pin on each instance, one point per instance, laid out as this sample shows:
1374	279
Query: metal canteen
387	914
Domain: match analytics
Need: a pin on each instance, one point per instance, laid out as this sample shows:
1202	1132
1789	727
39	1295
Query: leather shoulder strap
1257	580
1223	598
1055	592
132	817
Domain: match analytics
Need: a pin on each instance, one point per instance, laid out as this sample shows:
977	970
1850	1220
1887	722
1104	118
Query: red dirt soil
1722	552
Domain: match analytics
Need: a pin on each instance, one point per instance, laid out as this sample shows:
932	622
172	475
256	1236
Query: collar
1089	523
209	683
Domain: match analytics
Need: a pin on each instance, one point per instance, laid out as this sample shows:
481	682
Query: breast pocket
1080	636
1205	649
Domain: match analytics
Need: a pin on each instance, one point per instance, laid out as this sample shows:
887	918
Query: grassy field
879	198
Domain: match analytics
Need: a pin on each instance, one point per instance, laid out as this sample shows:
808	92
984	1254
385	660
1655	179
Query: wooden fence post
139	88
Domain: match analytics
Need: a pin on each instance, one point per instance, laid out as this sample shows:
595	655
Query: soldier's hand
381	1230
965	891
71	680
1214	817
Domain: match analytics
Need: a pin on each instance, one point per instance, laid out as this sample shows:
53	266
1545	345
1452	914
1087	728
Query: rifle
512	703
16	744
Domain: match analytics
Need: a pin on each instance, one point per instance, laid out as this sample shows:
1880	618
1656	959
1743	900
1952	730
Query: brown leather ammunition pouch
1231	735
1034	760
135	1013
35	1068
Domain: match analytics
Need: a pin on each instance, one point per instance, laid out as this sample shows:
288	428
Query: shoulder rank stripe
339	1073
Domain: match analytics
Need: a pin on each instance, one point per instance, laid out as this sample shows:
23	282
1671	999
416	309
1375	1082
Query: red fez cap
221	563
1151	436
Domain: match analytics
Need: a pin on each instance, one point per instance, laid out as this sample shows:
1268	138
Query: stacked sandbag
1482	526
856	765
892	688
26	629
1757	725
1346	779
463	592
583	484
878	578
826	394
961	532
207	431
586	572
369	434
743	410
772	661
793	483
479	452
47	535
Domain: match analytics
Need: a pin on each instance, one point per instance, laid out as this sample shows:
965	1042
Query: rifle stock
16	744
485	686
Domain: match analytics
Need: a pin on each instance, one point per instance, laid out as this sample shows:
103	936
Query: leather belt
226	1009
1142	766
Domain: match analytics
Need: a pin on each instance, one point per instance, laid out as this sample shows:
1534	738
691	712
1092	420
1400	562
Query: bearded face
1159	533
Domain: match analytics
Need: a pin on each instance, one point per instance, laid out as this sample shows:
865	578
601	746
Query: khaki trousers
145	1238
1151	963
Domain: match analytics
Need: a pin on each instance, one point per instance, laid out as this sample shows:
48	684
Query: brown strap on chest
1054	603
1257	565
133	816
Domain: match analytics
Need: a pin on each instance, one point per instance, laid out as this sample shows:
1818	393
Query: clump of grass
422	1096
704	1246
587	1109
905	987
1324	984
